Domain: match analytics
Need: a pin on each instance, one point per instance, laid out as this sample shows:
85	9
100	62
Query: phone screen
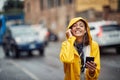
89	59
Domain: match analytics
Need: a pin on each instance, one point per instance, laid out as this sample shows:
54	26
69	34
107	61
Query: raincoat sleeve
96	54
66	53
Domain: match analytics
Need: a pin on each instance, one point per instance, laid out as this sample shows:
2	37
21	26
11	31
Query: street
49	67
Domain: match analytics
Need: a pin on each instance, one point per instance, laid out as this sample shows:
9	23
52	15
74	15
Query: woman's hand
91	67
68	33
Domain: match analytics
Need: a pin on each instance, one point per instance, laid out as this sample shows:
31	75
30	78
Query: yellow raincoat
71	59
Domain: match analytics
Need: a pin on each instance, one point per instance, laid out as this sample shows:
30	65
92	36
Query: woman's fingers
91	65
68	33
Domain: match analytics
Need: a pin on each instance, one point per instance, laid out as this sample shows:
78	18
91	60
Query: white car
106	33
42	31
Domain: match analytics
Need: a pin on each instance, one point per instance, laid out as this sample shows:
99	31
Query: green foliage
13	6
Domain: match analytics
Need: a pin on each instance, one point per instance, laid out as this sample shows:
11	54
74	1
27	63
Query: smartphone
89	59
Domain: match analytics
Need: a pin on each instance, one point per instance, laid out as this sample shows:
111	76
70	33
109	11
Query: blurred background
31	33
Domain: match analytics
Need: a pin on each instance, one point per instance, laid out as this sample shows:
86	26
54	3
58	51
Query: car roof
101	23
19	27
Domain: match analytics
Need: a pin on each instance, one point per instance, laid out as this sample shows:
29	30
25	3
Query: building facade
55	14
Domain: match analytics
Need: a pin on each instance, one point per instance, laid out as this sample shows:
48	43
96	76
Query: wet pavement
49	67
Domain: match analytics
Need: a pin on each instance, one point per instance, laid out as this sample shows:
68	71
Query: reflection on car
22	38
106	33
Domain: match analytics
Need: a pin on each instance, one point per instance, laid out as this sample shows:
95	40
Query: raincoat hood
74	20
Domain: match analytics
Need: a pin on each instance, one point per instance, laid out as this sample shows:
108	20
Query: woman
76	48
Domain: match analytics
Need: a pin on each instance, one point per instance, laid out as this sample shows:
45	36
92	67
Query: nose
77	26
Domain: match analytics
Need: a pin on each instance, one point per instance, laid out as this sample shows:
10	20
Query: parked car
106	33
42	31
22	38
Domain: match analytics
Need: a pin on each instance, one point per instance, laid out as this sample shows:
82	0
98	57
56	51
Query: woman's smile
78	29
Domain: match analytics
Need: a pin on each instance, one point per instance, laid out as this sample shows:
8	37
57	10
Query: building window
50	3
68	1
119	5
28	7
41	5
57	2
67	20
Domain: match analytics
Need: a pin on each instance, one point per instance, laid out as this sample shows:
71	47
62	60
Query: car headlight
40	39
18	40
24	41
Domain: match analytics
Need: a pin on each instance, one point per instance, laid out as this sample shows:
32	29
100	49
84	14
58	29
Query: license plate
32	46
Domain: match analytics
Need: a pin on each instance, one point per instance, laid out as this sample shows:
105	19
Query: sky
1	4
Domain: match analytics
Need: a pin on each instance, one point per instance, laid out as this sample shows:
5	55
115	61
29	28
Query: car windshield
92	28
23	31
111	27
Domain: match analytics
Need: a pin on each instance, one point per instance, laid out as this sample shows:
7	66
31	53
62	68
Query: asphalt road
49	66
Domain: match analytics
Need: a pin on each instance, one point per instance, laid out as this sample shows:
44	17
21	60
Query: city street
49	67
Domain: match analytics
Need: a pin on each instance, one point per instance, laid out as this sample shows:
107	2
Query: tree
13	6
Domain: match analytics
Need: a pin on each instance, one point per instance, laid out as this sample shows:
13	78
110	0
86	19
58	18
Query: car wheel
118	50
7	54
6	51
30	53
15	52
41	52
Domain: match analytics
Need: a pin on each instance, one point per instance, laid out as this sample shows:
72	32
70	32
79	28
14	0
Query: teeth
78	31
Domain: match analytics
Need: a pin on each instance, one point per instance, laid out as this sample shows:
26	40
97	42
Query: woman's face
78	29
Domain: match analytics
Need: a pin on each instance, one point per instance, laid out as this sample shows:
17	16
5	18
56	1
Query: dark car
22	38
52	36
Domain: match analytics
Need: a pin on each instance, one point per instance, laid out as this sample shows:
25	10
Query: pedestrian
76	48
